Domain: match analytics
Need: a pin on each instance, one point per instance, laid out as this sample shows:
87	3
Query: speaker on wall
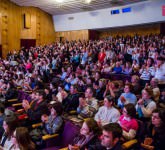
27	20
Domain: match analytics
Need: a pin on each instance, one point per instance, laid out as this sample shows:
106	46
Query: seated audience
21	140
83	109
89	135
110	138
146	105
128	122
107	113
156	131
127	96
10	123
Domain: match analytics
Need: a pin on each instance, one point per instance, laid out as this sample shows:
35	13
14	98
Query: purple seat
67	136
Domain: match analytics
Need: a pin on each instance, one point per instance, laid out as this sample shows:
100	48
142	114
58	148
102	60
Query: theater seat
62	140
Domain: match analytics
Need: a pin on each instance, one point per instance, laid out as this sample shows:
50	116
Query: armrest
129	144
18	104
29	92
148	147
20	110
65	148
36	125
73	112
13	100
48	136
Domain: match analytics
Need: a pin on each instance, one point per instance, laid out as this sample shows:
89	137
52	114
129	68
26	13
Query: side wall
131	30
73	35
143	12
12	26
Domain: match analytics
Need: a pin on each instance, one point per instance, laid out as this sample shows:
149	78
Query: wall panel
131	30
73	35
12	26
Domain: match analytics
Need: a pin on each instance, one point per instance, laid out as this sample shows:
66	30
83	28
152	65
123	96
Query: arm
130	134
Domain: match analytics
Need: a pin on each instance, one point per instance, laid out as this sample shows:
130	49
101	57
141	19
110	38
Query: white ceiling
73	6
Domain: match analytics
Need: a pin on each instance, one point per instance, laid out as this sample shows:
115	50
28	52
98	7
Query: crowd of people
114	83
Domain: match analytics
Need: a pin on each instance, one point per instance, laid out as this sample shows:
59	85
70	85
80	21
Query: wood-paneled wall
12	26
73	35
131	30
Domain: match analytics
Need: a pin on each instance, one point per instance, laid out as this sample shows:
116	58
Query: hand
122	99
140	102
75	147
148	141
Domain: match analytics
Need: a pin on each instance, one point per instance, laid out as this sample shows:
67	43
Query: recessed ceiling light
87	1
59	1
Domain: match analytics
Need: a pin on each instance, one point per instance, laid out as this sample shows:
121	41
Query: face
156	121
53	111
5	126
84	129
14	141
107	103
145	94
125	112
107	139
71	89
126	89
87	93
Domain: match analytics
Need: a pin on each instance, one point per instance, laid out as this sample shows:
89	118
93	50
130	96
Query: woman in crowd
21	140
127	96
128	122
147	71
156	131
89	134
107	113
9	124
146	105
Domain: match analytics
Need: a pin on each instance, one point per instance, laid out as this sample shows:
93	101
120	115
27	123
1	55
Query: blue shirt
130	98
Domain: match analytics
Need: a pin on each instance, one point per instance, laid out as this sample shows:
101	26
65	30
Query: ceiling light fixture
59	1
87	1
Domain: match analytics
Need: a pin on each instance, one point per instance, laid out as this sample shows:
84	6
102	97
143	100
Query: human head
147	93
128	88
89	92
129	110
22	138
73	89
56	108
158	117
9	124
89	126
108	101
110	135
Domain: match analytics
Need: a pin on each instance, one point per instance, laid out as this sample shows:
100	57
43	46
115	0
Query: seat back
70	131
140	132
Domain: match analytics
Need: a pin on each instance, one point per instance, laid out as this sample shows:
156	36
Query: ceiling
73	6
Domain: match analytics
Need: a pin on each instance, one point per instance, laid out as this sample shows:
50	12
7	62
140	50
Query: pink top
28	66
128	124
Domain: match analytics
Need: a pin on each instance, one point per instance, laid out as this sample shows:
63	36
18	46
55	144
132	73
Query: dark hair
131	111
2	108
114	128
92	125
23	139
58	107
110	99
130	86
161	112
12	123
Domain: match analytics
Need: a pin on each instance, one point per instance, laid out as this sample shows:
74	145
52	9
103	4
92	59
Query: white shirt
107	115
